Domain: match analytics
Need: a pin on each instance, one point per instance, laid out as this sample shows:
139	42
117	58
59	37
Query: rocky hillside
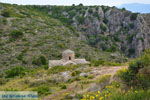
107	28
30	35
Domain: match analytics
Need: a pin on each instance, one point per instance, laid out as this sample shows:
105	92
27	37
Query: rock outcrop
109	28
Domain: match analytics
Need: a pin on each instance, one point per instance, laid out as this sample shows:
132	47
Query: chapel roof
68	51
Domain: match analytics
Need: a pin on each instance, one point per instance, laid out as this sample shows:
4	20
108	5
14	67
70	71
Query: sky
70	2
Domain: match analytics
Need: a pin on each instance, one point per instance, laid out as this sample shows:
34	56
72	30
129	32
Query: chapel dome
68	51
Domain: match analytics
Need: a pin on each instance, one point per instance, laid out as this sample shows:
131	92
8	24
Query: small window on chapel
69	58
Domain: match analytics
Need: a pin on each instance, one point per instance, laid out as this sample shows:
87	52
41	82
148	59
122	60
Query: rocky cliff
108	28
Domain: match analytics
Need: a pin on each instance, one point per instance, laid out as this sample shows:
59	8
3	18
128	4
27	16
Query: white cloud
70	2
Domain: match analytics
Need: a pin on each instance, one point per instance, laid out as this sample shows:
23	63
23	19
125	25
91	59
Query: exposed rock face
111	29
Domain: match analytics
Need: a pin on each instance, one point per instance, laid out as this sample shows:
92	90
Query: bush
63	86
16	71
6	13
90	76
103	78
78	96
123	9
133	16
130	37
113	48
103	27
20	56
41	60
72	13
131	51
96	15
126	75
80	19
90	11
45	67
116	38
3	81
138	72
76	73
105	20
98	62
143	77
103	62
16	34
3	21
58	69
131	25
43	90
80	4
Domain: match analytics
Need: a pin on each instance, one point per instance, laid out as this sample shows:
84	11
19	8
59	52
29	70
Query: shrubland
32	35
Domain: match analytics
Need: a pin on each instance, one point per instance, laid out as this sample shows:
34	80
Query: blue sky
70	2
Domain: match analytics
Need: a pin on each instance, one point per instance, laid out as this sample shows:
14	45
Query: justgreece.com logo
19	95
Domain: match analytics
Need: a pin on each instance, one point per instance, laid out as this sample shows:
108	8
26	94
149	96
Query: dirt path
94	71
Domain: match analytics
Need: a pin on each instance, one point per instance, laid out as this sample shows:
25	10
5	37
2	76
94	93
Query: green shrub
131	25
41	60
133	16
15	71
16	34
113	48
80	19
103	27
96	15
116	38
105	8
63	86
78	96
65	20
131	51
103	62
43	90
90	76
138	72
20	56
126	75
105	20
98	62
145	59
80	4
78	78
58	69
90	11
143	77
123	9
3	81
72	13
109	63
3	21
74	73
5	13
45	67
103	78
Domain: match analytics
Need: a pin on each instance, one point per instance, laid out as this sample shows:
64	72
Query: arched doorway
69	58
